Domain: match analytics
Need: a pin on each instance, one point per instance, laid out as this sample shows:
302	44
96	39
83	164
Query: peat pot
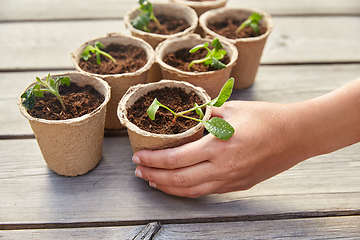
175	10
211	81
250	49
74	146
141	139
202	6
119	83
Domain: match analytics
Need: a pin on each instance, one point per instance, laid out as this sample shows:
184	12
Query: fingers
192	191
185	155
182	177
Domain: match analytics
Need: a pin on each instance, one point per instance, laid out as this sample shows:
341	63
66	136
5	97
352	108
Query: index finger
173	158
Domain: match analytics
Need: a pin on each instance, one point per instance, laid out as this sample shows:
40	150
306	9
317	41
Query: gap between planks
244	218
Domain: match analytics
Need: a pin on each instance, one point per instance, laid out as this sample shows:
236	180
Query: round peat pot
141	139
211	81
250	49
202	6
119	83
176	10
74	146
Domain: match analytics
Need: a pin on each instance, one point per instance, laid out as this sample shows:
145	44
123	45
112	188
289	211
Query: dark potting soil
78	101
182	58
228	27
174	98
169	25
128	58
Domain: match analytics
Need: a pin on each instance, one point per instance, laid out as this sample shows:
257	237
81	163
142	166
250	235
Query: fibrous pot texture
202	6
119	83
74	146
141	139
250	49
211	81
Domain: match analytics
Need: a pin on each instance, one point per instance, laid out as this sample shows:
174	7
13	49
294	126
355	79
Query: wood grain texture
314	228
293	40
282	84
32	194
22	10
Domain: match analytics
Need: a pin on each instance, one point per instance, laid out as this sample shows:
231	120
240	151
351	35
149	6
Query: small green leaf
217	64
151	111
199	111
29	101
219	128
224	94
197	47
99	45
64	80
98	58
217	44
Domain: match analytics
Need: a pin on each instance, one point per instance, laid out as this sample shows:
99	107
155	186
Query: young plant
216	126
86	53
212	57
146	14
50	85
252	21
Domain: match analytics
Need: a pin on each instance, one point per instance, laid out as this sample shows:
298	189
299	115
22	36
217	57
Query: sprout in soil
146	14
216	126
213	56
50	85
86	54
253	22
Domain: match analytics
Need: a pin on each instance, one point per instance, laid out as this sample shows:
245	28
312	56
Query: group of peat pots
121	79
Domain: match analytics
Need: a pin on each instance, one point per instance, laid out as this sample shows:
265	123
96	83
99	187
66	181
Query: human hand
260	148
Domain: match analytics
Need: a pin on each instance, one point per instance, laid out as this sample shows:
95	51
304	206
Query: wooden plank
22	10
32	194
281	84
293	40
316	228
335	227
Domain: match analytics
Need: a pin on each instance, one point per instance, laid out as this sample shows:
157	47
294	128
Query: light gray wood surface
282	84
319	228
293	40
22	10
32	194
313	49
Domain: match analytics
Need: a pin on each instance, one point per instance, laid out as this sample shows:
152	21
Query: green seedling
216	126
50	85
212	57
252	21
86	53
146	14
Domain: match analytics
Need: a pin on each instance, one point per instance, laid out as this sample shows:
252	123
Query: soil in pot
77	100
129	58
176	99
228	26
181	59
169	25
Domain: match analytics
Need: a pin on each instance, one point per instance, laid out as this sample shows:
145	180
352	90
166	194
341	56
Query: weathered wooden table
313	49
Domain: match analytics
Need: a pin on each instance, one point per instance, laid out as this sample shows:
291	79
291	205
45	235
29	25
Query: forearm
329	122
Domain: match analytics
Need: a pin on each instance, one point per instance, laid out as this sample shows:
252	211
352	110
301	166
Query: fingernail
136	159
152	184
138	173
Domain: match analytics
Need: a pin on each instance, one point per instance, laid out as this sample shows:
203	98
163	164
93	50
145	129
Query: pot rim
122	110
77	120
163	45
203	20
200	4
192	27
150	53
